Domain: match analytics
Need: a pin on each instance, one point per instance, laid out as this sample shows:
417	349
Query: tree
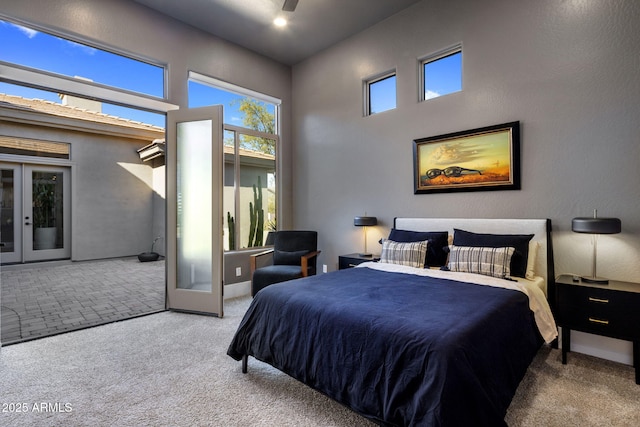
257	117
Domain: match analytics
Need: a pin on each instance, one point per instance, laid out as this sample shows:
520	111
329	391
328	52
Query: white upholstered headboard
540	228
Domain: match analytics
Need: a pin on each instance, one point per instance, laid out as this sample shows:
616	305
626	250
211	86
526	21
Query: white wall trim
236	290
50	81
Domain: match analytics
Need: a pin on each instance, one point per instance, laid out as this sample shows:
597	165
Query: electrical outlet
238	271
324	268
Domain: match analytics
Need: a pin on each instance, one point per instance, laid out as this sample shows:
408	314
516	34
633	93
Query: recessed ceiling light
280	22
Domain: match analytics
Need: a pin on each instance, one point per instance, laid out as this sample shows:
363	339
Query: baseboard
604	347
236	290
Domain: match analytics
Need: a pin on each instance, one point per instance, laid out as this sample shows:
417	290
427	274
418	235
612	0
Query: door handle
27	223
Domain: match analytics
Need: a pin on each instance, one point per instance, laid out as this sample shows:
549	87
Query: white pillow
411	254
531	261
481	260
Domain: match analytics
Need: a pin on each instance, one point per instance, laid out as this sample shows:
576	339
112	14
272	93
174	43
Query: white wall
567	70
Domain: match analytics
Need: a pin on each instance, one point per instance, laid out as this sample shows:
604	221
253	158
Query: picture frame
480	159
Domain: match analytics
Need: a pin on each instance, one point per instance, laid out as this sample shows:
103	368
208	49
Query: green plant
154	242
256	216
44	200
232	231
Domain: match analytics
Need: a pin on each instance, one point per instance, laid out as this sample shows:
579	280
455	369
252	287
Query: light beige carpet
171	369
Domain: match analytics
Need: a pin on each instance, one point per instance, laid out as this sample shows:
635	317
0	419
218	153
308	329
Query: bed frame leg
245	361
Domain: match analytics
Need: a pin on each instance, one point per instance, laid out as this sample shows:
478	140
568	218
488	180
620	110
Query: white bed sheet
532	288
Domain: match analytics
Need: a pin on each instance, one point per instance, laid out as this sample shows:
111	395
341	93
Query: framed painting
475	160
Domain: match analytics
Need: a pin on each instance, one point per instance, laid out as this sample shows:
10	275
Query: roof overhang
154	150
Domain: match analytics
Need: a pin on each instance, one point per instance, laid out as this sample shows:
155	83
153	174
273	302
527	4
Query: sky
39	50
443	76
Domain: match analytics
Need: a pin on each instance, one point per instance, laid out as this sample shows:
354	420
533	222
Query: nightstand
351	260
611	310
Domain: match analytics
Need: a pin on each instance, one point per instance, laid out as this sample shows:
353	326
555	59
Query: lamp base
597	280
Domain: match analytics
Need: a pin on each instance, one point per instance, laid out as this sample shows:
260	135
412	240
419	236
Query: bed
442	341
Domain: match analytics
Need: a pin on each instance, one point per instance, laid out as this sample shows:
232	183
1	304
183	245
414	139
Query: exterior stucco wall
111	191
113	198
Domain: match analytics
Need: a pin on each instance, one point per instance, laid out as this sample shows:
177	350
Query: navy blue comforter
398	349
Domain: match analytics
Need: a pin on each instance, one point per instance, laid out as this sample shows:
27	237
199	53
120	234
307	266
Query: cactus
256	216
232	231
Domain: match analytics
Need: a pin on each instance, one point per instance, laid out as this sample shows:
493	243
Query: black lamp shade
365	221
596	225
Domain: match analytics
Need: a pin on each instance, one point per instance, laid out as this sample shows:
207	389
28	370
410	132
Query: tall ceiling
313	26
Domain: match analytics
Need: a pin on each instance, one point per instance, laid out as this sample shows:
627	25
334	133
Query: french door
194	210
35	205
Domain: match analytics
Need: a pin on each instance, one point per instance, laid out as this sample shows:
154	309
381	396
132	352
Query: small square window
442	74
381	94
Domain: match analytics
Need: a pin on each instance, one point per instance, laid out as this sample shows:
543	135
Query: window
27	95
442	73
250	153
33	147
380	94
35	49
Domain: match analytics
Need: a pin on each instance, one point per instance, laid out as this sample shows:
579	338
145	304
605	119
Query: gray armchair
294	255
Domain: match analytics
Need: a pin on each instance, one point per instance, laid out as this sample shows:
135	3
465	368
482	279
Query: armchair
294	255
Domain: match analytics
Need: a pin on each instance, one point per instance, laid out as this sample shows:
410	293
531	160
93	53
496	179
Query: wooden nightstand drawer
599	311
611	310
351	260
598	320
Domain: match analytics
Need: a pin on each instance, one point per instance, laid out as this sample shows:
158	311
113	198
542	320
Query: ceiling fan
289	5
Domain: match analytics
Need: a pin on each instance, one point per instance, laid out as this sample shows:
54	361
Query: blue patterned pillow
481	260
410	253
438	240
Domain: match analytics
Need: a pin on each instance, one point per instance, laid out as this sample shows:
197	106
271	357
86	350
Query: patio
53	297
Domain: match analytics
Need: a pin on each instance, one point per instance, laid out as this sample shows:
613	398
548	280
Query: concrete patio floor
49	298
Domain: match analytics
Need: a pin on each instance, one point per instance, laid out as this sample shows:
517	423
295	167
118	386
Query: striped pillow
480	260
411	254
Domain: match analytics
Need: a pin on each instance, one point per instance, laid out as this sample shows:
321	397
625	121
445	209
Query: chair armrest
305	261
254	258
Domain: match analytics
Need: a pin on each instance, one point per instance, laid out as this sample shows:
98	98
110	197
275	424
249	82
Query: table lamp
364	222
596	226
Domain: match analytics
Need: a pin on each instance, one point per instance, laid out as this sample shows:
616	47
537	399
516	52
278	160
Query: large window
442	73
31	48
250	150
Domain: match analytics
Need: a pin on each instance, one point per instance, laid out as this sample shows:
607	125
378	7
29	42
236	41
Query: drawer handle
602	322
352	265
605	301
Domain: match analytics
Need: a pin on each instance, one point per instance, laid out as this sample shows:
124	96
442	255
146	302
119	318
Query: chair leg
245	362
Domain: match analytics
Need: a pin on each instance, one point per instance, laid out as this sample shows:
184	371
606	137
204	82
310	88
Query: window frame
44	80
368	82
75	38
434	57
240	130
230	87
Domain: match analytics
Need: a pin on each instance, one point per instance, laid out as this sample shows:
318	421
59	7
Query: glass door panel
46	207
194	210
194	205
10	224
47	211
